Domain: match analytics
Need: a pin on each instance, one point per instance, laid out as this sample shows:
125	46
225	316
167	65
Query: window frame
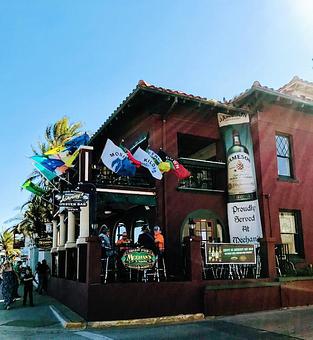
298	235
290	158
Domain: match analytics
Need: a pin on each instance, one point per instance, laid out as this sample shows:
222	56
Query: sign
139	259
73	199
44	243
229	253
243	206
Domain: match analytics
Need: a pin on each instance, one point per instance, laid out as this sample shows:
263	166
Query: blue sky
81	59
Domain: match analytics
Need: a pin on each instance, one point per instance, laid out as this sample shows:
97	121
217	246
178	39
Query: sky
80	59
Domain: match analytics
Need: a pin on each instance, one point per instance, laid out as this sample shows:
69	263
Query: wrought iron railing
205	175
105	177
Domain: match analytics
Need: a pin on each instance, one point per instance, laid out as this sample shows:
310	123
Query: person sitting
145	239
123	242
159	240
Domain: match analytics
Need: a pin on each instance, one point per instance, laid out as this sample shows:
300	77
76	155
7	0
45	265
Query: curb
147	321
65	322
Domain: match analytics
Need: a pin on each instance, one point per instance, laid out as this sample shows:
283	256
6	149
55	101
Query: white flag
112	156
148	162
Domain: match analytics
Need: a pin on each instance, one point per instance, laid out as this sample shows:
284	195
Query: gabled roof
144	86
297	90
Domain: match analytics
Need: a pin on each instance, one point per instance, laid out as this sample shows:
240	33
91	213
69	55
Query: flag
35	189
180	171
157	159
49	163
148	163
116	160
76	142
54	151
131	157
49	175
165	166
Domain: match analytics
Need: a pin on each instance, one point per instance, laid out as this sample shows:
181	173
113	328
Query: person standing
43	276
159	240
28	286
104	235
8	284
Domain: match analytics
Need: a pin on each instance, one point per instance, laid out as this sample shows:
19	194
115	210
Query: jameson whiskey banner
242	207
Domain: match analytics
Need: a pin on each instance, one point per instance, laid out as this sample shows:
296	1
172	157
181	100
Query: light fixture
147	207
107	212
192	225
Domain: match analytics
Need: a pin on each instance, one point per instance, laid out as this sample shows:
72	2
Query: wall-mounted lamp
192	225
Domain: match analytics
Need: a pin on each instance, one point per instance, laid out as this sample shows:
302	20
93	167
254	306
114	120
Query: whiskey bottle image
241	182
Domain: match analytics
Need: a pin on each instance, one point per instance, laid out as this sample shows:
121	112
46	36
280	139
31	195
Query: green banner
229	253
139	259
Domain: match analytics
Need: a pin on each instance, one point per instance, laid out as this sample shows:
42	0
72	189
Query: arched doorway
208	225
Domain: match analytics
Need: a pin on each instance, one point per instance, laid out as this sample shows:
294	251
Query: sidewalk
47	312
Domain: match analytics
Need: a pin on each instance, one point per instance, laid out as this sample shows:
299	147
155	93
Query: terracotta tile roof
280	92
143	85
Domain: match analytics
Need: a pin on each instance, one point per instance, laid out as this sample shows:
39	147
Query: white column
84	224
54	236
70	230
62	232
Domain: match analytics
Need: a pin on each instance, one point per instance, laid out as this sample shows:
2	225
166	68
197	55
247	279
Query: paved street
39	322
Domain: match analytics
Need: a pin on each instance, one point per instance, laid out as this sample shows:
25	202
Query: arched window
207	225
137	228
119	230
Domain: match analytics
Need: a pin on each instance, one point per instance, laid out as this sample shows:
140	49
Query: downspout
164	146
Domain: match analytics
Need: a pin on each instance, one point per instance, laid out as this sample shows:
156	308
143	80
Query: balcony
106	178
206	176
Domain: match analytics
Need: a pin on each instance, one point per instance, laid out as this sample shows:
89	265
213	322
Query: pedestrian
43	276
8	284
28	279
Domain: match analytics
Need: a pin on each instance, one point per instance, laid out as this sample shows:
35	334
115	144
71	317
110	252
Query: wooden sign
139	259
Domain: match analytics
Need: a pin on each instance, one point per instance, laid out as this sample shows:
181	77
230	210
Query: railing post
268	259
193	258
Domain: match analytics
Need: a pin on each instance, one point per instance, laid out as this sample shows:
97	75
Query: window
291	231
283	151
119	230
208	230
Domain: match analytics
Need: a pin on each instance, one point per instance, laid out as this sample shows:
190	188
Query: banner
243	206
229	253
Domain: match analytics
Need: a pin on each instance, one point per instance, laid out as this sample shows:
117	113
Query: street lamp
192	225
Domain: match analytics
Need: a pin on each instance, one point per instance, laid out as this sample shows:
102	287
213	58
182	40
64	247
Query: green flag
35	189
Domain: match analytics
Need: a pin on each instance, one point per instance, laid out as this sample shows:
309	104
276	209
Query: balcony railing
105	177
205	175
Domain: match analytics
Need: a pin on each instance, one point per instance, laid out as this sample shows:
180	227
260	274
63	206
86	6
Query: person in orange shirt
123	242
158	239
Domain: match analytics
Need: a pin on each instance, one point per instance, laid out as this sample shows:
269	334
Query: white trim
134	192
85	147
86	166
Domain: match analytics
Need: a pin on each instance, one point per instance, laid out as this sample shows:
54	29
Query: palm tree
38	211
36	214
57	134
7	244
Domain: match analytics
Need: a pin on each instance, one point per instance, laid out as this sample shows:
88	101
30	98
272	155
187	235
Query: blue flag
77	141
49	163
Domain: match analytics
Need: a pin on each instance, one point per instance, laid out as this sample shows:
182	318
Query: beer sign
229	253
139	259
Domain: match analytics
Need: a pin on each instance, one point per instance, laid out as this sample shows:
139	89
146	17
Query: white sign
244	222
